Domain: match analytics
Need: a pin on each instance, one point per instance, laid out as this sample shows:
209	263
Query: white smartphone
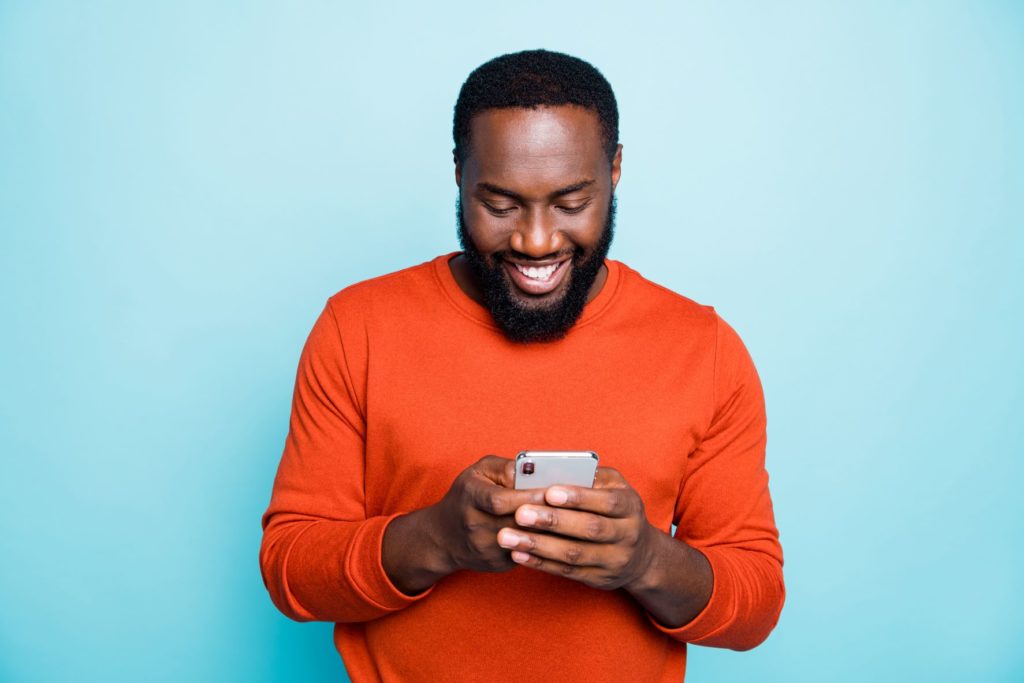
541	469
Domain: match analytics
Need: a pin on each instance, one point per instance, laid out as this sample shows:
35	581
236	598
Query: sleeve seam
350	386
714	372
346	369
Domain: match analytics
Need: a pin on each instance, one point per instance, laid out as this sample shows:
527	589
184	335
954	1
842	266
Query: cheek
488	233
586	231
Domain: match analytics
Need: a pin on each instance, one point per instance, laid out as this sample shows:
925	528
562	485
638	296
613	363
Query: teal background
183	184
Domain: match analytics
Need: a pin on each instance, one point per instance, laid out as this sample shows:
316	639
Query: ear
458	169
616	166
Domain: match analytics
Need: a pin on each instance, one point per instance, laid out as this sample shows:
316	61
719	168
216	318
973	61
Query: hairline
607	145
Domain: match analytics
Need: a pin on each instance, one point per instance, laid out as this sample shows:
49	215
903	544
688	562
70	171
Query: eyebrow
561	192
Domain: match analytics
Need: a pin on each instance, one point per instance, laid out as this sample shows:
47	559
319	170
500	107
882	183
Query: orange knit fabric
405	381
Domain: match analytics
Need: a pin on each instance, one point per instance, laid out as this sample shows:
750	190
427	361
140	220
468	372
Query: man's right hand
460	531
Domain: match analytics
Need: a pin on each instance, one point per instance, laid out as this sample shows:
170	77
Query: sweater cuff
716	615
366	567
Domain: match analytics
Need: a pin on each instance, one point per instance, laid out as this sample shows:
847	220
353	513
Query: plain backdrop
183	184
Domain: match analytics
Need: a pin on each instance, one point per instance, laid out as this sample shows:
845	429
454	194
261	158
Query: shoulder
353	315
647	298
392	289
680	317
385	302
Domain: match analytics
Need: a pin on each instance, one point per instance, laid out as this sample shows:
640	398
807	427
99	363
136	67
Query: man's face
536	212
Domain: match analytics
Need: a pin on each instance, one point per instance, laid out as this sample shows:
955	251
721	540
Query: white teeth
538	273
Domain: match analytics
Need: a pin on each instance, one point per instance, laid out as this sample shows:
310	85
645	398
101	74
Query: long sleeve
321	556
725	511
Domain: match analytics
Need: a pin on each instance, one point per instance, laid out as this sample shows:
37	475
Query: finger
610	502
585	526
498	523
498	500
500	471
485	537
594	577
609	477
565	551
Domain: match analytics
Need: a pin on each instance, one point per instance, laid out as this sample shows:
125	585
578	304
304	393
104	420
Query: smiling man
542	244
394	512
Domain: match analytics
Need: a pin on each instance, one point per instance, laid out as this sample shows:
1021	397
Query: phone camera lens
528	467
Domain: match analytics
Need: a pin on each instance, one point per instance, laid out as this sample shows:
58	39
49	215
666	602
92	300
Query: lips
537	280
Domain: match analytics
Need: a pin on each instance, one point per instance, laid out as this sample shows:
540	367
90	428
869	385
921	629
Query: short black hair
531	79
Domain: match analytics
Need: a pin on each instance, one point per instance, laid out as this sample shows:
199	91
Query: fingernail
520	557
557	496
526	516
508	539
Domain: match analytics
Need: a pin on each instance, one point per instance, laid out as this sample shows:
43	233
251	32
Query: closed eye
574	209
498	211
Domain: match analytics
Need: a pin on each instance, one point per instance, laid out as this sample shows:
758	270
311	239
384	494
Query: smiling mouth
537	280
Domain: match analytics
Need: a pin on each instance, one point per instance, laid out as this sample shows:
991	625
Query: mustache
520	257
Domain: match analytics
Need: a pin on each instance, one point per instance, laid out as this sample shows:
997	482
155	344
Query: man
385	517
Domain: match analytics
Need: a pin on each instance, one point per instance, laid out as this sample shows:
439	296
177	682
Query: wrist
645	578
439	557
412	556
676	583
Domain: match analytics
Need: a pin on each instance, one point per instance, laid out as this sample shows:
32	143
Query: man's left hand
598	536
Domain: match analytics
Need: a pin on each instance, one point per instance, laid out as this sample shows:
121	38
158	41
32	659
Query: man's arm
320	555
322	558
724	510
719	581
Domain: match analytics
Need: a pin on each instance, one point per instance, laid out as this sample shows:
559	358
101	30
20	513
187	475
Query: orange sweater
405	381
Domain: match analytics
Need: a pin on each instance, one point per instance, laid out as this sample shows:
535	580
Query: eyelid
574	209
495	210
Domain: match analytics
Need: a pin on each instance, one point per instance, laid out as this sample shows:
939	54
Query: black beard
524	324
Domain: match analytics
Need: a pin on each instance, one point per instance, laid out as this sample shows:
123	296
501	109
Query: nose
536	235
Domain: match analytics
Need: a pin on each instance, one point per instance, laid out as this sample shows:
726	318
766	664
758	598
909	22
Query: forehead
519	144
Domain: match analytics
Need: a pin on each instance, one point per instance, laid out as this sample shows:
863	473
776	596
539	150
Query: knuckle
547	520
470	525
477	540
613	505
625	503
594	529
567	569
491	502
573	554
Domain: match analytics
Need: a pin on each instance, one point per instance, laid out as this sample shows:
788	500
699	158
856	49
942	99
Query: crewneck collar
480	314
